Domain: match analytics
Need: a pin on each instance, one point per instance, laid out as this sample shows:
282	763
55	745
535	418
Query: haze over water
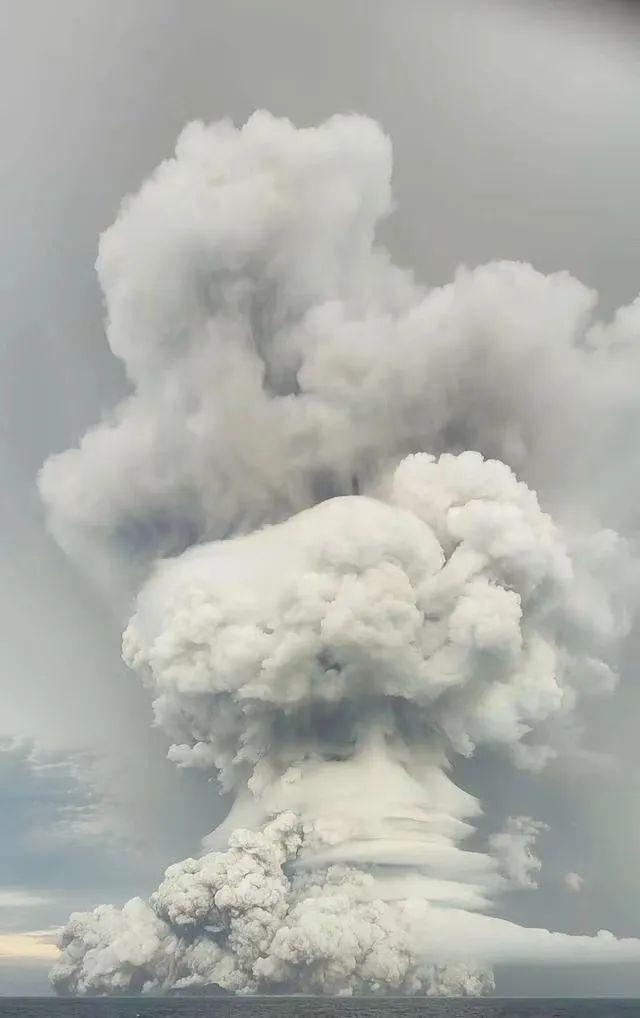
314	1007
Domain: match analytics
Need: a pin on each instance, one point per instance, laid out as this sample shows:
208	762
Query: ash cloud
574	882
333	488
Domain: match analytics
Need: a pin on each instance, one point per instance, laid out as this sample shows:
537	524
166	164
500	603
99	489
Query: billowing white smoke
352	596
254	929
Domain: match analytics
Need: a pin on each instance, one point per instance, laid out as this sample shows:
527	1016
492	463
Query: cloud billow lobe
332	488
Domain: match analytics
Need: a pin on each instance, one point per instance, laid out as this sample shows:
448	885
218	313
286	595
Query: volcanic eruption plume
323	483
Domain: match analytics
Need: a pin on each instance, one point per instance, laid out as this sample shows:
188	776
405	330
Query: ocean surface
314	1007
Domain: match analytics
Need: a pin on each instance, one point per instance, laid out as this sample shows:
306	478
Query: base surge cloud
332	488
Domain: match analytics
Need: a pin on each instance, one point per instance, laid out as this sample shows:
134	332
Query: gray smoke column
337	596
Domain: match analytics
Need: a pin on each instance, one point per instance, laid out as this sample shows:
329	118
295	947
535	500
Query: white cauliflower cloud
324	483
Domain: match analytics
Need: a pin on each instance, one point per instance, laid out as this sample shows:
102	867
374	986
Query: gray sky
515	133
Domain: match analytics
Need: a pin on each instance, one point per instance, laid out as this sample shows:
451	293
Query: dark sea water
314	1007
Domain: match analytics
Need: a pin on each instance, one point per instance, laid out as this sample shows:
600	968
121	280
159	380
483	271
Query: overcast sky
515	134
